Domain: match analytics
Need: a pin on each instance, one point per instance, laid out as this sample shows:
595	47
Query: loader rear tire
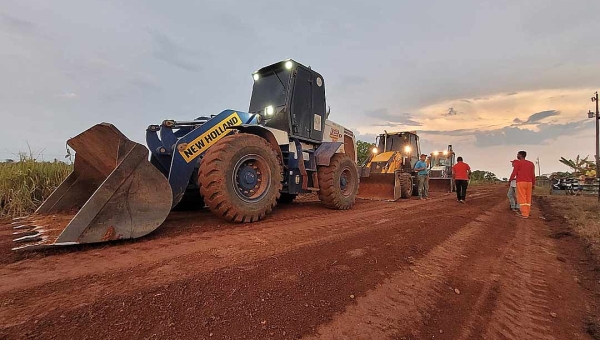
406	185
240	178
338	182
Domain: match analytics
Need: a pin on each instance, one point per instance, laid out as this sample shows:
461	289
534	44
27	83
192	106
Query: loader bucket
381	187
113	193
441	185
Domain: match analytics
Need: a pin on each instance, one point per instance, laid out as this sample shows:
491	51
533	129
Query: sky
489	77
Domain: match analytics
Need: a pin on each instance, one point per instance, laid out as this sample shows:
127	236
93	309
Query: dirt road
413	269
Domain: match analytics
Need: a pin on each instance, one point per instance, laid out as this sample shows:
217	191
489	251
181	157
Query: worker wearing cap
423	177
524	172
512	191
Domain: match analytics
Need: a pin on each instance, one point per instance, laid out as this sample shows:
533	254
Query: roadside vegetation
582	213
26	183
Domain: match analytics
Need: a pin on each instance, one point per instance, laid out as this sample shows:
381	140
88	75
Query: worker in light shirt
524	173
512	192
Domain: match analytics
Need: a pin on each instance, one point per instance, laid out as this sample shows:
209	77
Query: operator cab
289	96
407	143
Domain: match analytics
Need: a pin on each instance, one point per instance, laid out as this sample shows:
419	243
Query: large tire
286	198
406	185
338	182
240	178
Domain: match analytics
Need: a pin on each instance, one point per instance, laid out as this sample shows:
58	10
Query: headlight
435	153
445	152
407	149
255	76
375	150
288	65
269	110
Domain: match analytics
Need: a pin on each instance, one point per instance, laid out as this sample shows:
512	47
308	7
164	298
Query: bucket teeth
19	218
27	231
31	246
24	226
19	223
34	237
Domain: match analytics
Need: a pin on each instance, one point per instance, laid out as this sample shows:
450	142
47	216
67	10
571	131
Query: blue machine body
177	147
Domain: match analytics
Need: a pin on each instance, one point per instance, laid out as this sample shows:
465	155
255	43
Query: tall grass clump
25	184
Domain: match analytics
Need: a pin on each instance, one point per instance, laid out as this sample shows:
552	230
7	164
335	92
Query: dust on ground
401	270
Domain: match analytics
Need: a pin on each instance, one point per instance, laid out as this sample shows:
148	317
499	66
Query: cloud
167	50
515	135
450	112
393	120
17	26
67	95
146	85
353	79
536	117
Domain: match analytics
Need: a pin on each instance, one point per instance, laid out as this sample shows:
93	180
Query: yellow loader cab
388	172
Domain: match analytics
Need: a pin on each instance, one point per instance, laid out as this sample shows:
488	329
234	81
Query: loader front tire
240	178
406	185
338	182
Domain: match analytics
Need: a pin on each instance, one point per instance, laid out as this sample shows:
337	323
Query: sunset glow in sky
490	78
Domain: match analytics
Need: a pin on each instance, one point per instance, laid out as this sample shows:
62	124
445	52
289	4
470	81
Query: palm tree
579	164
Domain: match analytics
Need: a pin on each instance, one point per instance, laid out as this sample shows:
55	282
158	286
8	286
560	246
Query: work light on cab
407	149
269	110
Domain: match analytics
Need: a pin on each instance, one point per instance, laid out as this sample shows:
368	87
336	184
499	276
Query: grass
583	215
25	184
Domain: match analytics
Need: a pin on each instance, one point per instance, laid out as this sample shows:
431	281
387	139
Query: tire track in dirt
511	284
231	248
523	310
274	297
216	243
403	303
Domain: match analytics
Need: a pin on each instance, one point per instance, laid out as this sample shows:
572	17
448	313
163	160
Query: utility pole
539	169
597	116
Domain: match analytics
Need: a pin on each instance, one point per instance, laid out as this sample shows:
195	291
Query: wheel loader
388	174
440	170
239	164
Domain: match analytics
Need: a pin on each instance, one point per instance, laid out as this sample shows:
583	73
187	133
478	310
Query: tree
490	177
363	150
579	164
483	176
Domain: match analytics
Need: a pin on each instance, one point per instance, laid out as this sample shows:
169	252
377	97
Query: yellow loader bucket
113	193
380	186
441	185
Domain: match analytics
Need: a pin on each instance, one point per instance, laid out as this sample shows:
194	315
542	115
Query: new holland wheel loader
388	174
440	170
240	164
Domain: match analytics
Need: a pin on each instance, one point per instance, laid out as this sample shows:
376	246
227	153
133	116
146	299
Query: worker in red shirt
461	173
524	172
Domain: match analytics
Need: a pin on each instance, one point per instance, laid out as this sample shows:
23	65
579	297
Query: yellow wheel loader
440	170
388	172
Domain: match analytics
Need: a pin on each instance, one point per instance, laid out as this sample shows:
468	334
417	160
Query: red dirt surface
410	269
